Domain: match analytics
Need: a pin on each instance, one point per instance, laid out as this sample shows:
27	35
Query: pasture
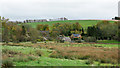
83	23
59	54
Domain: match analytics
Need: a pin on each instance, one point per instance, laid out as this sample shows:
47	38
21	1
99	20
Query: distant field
84	23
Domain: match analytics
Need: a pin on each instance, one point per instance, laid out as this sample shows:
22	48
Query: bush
90	61
90	39
56	54
7	51
61	41
84	57
41	39
79	40
34	41
39	53
7	63
20	59
38	40
31	58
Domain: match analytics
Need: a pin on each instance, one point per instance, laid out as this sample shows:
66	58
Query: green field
108	41
84	23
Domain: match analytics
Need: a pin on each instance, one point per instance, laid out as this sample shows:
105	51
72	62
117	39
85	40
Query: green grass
108	41
107	45
24	50
45	60
96	45
84	23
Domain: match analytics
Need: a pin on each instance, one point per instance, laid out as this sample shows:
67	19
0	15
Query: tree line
12	32
105	30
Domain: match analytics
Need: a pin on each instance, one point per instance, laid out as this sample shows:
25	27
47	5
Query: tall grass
7	63
101	54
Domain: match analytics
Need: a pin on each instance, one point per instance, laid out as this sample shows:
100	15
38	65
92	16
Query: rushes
104	55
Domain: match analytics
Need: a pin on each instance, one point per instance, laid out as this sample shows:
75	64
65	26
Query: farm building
75	36
64	39
116	18
32	21
58	19
67	39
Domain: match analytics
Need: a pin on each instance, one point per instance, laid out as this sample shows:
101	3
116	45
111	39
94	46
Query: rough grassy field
59	54
108	41
84	23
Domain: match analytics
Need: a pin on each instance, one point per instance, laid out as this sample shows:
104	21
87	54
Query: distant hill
84	23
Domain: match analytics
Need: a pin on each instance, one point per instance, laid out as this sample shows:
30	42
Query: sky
50	9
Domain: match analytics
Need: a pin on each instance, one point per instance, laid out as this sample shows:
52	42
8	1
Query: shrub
7	51
50	38
79	40
84	57
90	39
7	63
31	58
103	61
49	51
38	40
39	53
34	41
55	54
90	61
61	41
20	59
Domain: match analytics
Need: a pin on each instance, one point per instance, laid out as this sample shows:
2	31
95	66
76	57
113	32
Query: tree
33	33
5	35
5	29
67	28
42	27
103	30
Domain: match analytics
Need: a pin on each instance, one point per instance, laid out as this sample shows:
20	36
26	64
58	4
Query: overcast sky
46	9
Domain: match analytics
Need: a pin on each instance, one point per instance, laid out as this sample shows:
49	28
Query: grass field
84	23
108	41
39	54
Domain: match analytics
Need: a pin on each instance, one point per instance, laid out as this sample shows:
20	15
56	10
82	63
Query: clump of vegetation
90	39
39	53
89	61
24	58
20	59
6	63
8	51
31	58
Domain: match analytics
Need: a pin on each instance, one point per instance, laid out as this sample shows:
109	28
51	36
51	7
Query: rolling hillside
84	23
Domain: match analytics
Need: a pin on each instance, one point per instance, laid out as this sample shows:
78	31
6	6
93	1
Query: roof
66	39
76	35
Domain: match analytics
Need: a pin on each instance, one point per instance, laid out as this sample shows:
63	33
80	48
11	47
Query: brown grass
104	55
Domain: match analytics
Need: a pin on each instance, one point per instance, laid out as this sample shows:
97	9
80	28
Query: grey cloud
73	9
